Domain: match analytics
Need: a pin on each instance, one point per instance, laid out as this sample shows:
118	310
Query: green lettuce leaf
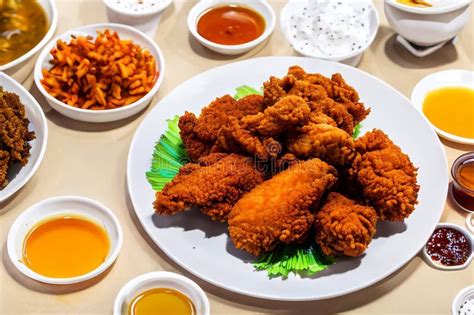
245	90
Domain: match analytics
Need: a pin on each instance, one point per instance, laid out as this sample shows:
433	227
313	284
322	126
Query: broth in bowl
23	24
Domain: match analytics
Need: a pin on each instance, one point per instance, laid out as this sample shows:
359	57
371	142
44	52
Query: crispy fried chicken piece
214	184
200	134
344	227
4	164
274	89
323	141
387	176
280	209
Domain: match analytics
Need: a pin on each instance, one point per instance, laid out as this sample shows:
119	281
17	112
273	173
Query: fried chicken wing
200	134
344	227
280	209
387	176
323	141
214	184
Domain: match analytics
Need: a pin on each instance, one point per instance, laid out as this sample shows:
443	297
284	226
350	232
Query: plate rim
204	278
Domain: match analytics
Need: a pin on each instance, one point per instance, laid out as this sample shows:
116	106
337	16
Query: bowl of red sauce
449	247
231	27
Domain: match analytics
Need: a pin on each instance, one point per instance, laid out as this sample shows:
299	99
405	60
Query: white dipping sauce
329	28
143	6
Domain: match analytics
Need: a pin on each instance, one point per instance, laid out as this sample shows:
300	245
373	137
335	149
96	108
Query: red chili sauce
449	247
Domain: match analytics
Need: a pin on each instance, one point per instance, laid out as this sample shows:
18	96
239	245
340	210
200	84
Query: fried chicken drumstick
214	184
280	209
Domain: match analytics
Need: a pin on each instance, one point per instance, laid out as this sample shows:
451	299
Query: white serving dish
443	267
161	279
20	68
54	207
260	6
470	222
428	26
352	59
191	234
459	300
19	175
437	80
98	116
146	22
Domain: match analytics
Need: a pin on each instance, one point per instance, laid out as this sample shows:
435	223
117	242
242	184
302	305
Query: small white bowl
108	115
19	176
147	22
20	68
161	279
54	207
459	300
428	26
437	80
469	222
260	6
440	266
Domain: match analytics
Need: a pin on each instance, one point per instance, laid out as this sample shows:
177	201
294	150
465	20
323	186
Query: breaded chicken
344	227
214	184
200	134
387	176
330	144
280	209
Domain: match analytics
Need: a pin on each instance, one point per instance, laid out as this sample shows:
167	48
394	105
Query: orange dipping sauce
66	246
231	25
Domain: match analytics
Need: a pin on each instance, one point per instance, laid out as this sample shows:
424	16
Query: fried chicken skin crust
330	144
200	134
214	184
344	227
387	176
280	209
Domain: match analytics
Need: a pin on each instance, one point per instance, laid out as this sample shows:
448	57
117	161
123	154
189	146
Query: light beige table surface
89	160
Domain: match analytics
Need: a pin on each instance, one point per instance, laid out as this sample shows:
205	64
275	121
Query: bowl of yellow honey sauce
446	99
161	293
64	240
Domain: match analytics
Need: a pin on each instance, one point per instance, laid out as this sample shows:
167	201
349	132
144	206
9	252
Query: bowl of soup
25	27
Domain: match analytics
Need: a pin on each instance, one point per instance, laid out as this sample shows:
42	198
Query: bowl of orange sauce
161	293
231	27
446	99
64	240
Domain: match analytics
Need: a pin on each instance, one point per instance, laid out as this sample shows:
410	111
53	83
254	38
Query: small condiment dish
469	237
463	303
470	222
145	20
161	279
428	26
59	206
108	115
353	58
462	78
260	6
20	175
20	68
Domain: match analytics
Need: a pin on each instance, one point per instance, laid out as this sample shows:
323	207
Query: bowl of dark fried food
23	136
300	185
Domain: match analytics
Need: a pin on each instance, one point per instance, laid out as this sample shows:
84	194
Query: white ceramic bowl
147	21
428	26
57	206
440	266
437	80
460	299
19	176
470	222
352	58
161	279
260	6
20	68
98	116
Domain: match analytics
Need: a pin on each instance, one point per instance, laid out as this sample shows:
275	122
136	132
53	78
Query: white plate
203	248
437	80
19	176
